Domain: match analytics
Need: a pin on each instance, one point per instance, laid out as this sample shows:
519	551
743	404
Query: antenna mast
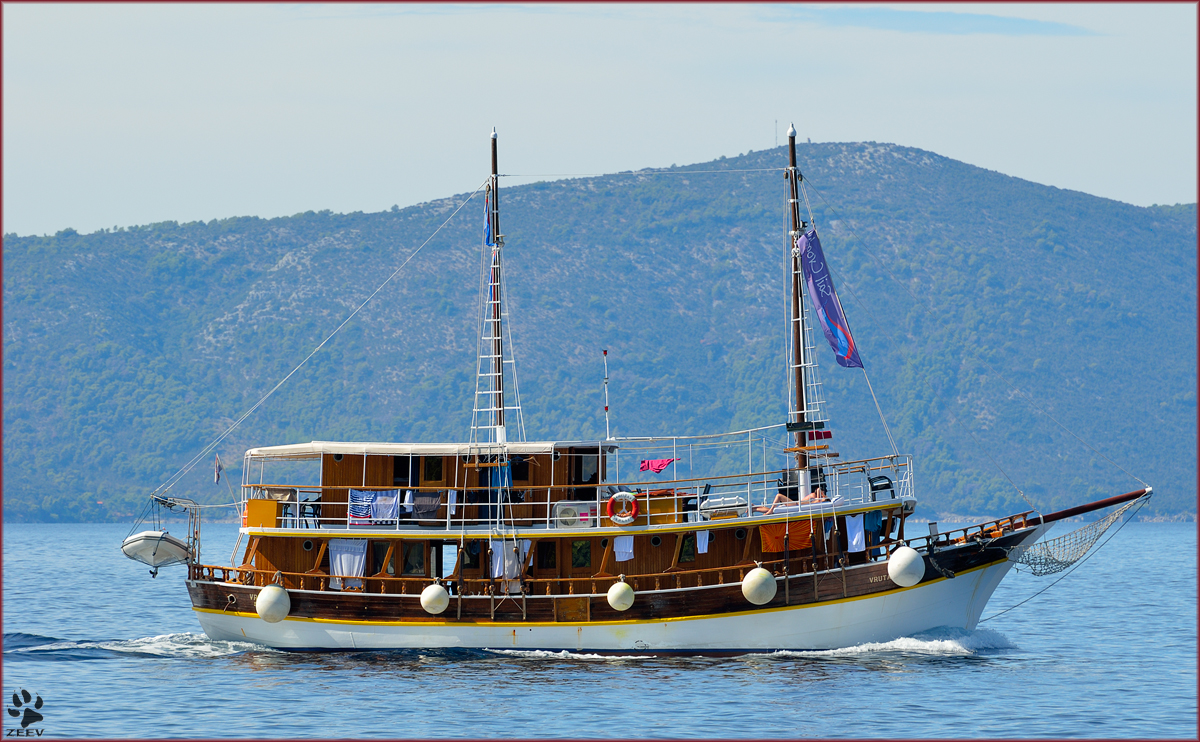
607	431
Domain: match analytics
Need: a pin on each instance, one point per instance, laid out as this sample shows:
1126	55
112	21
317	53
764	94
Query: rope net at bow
1057	554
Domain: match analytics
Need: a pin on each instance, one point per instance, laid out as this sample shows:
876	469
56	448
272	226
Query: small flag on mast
217	470
487	219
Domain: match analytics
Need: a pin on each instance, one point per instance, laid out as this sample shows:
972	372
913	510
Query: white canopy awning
315	449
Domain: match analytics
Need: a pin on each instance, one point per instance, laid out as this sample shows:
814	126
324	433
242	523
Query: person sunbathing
817	495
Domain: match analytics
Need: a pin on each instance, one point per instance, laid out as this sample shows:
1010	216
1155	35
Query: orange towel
799	535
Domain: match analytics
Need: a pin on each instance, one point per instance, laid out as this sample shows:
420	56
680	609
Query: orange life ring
622	518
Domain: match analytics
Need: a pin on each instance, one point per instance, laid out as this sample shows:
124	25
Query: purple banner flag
825	300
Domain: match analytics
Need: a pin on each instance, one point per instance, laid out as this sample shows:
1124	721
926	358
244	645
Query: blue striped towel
360	506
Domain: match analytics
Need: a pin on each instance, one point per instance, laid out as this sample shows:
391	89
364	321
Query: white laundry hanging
347	558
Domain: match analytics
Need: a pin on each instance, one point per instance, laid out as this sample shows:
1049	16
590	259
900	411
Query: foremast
492	425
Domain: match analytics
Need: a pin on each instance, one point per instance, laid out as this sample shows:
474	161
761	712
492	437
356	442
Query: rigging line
887	431
170	482
929	310
228	487
900	348
878	409
1071	571
641	172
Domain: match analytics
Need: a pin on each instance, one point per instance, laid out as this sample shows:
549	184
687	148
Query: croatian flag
487	219
825	300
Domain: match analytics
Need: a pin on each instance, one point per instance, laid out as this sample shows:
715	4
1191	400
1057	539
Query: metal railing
674	501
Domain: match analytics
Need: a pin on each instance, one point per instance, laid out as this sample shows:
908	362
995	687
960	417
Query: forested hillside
982	304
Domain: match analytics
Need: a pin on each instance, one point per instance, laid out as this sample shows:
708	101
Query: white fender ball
434	599
620	596
906	567
759	586
273	604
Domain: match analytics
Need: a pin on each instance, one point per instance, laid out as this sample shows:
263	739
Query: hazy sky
135	113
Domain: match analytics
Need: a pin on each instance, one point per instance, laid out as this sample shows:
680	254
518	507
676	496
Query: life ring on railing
622	517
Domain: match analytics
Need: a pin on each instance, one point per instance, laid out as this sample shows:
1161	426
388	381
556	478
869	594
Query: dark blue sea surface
1110	651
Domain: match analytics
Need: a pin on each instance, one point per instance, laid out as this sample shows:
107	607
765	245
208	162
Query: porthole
337	457
656	541
603	543
307	545
739	534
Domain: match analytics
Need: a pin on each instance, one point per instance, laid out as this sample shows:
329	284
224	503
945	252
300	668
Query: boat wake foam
563	654
945	642
166	645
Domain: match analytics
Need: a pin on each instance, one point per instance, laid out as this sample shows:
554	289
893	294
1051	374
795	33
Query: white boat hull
956	602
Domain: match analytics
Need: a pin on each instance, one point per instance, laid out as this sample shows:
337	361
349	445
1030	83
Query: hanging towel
426	504
855	537
384	505
347	558
799	536
873	524
501	476
506	563
623	548
701	542
360	507
408	501
452	499
656	465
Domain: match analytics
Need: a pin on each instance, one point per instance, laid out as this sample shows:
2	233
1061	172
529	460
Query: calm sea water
1108	652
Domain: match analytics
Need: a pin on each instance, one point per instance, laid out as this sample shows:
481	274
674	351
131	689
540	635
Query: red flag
656	465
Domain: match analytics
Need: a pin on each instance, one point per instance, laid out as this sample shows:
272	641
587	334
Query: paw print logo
30	715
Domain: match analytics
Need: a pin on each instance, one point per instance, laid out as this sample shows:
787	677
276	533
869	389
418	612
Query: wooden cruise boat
755	540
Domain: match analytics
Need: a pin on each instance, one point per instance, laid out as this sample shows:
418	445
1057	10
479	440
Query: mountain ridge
154	335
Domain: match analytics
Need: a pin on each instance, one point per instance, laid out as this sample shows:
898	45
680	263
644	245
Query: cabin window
471	555
433	469
547	555
587	469
401	468
687	550
520	469
656	540
581	553
379	553
414	558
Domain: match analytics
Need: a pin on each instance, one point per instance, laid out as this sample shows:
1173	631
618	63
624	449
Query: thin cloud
928	22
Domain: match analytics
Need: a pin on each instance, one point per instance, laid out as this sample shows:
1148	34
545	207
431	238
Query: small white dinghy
155	548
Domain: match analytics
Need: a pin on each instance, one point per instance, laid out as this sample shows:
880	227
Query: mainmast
798	421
